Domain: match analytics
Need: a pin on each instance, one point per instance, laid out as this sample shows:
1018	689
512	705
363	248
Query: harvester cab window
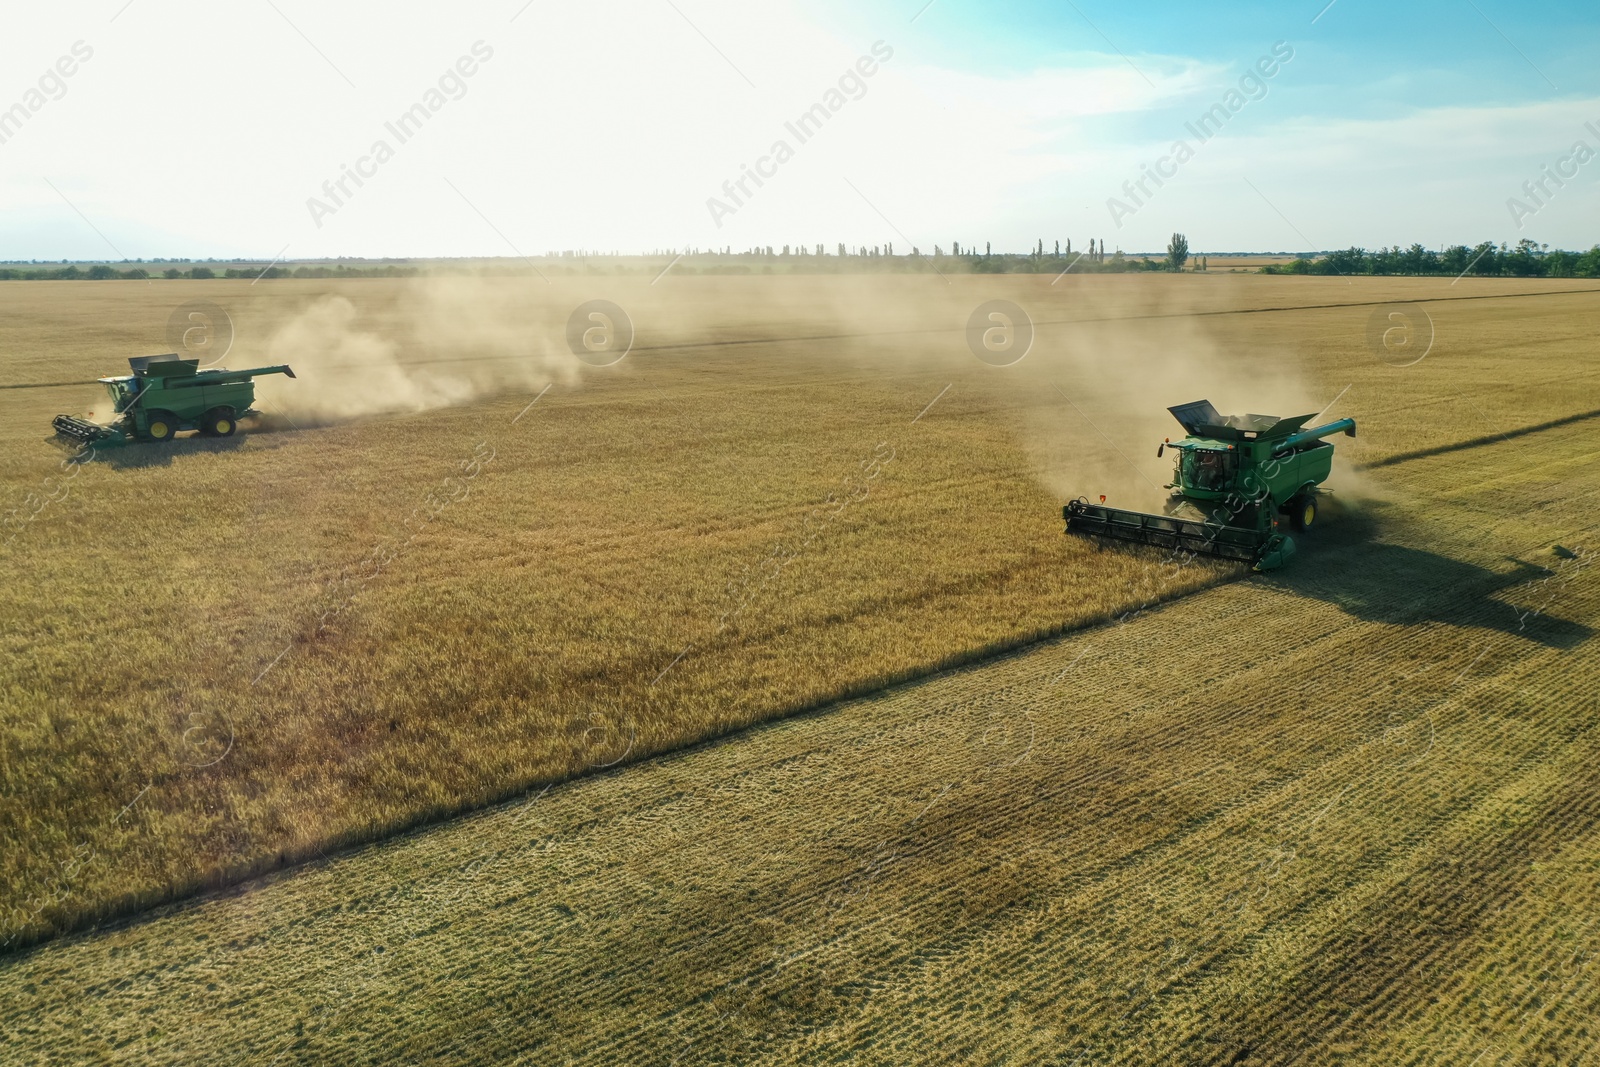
1207	468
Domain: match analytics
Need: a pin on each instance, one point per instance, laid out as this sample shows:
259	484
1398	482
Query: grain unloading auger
165	394
1236	477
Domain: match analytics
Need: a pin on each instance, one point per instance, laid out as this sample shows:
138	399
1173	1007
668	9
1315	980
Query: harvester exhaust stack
1235	477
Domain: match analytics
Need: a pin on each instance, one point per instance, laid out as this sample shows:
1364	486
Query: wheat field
291	640
222	660
1343	813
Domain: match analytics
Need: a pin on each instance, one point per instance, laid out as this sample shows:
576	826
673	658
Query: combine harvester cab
1237	477
166	394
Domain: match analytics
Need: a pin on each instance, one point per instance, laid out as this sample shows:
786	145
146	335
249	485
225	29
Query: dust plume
443	342
1355	487
1088	402
96	405
1113	382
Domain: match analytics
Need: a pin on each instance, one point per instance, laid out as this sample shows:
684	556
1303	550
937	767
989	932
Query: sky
267	129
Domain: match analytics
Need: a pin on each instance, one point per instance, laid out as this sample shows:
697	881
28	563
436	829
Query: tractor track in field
1126	844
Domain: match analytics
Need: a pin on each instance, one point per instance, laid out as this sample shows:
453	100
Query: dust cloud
442	342
1087	404
1110	354
1115	383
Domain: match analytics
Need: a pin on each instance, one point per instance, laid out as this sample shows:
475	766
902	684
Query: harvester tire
1304	512
162	426
219	423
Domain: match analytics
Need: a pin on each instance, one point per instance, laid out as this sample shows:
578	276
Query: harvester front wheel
219	423
162	426
1304	512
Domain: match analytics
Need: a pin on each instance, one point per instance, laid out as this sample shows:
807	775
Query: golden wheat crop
1344	813
223	657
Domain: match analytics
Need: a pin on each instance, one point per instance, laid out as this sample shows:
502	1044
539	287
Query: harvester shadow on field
141	455
1378	581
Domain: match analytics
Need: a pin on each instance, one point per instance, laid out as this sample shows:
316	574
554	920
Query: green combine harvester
165	394
1236	477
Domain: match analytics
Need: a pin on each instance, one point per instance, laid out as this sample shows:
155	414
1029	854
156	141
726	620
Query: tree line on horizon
1525	260
106	272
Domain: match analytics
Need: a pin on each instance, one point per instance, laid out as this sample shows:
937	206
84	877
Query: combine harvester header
165	394
1235	477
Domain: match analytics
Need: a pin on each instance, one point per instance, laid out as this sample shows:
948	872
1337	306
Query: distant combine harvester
166	394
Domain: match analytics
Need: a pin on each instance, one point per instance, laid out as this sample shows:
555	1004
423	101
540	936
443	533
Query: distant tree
100	272
1348	261
1454	260
202	272
1559	264
1419	260
1058	248
1484	259
1177	251
986	247
1523	261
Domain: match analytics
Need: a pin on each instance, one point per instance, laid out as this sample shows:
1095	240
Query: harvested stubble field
1346	812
